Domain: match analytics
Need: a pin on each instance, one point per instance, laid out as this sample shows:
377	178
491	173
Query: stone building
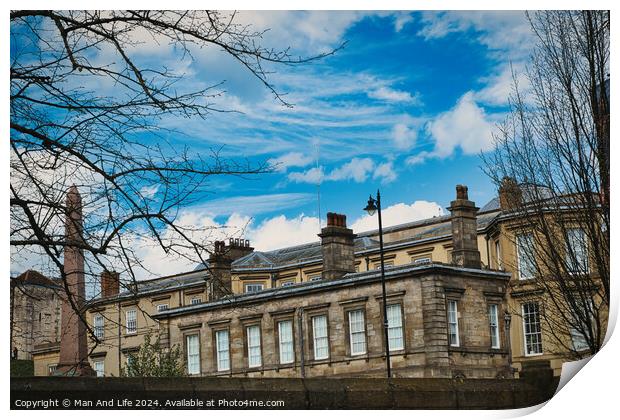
35	314
458	303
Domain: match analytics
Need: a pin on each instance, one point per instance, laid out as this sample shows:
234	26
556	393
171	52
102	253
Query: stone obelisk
73	346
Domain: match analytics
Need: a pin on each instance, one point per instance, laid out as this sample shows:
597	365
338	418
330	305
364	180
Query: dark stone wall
297	393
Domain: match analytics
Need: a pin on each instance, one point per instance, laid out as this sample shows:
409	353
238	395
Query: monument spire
73	346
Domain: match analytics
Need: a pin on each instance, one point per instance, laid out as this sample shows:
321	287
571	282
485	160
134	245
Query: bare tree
66	131
555	144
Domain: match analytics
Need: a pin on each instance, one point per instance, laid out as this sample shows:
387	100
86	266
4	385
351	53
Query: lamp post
507	321
372	207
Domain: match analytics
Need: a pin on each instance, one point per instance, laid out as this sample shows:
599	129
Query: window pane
531	329
395	327
576	251
98	323
453	324
254	351
285	333
131	322
357	332
525	256
99	368
223	357
319	332
193	355
494	326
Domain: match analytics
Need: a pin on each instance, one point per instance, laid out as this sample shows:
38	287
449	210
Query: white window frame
195	301
131	323
315	277
525	259
254	344
386	264
395	327
318	339
584	266
526	334
285	344
248	286
498	255
99	326
193	358
358	332
421	260
576	336
287	283
494	325
162	307
222	350
453	321
99	368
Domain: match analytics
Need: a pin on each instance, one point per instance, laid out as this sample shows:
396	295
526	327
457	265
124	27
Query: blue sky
407	106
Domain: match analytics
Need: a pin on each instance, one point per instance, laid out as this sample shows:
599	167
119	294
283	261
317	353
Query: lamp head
371	208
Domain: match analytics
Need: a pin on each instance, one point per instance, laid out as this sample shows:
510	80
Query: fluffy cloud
311	176
289	160
357	170
499	86
397	214
505	31
465	126
273	233
403	136
385	172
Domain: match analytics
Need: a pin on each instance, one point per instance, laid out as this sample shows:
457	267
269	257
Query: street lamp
372	207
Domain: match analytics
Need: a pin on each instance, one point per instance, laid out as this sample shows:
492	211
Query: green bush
22	367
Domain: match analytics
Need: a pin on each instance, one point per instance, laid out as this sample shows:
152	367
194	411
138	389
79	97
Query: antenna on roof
318	184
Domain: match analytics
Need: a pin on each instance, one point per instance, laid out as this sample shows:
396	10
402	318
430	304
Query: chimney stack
510	194
73	347
110	284
220	264
337	247
464	230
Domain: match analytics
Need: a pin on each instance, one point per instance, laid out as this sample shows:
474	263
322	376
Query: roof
34	278
162	284
346	280
421	231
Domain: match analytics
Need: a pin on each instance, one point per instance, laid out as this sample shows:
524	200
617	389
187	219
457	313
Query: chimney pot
464	230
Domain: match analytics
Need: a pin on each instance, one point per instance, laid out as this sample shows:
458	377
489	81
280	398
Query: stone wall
309	393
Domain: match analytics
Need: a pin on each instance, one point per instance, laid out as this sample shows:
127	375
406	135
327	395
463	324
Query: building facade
459	304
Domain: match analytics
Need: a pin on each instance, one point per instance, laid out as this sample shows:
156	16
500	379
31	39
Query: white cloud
311	176
388	94
254	204
149	191
289	160
465	126
401	19
505	31
281	232
385	172
357	170
397	214
403	136
499	86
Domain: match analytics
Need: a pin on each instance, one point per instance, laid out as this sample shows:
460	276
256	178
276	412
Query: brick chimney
464	230
510	194
337	247
73	360
220	264
110	283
